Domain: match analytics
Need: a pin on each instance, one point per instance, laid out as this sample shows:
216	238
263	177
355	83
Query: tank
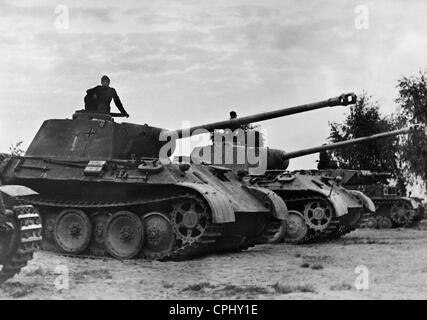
393	210
20	231
319	206
103	189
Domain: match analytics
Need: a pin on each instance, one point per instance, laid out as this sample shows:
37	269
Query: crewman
98	99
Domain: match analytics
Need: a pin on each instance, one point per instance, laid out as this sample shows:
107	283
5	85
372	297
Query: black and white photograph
240	150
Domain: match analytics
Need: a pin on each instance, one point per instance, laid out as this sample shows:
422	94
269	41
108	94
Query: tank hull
392	210
184	212
309	196
327	209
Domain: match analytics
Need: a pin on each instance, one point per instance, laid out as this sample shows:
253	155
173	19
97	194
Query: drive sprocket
318	214
190	219
402	214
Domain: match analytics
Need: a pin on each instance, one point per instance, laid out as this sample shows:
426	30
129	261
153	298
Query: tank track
272	228
419	215
343	230
333	231
204	245
412	222
29	239
312	235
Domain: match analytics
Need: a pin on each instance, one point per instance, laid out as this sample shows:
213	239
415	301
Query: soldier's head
105	81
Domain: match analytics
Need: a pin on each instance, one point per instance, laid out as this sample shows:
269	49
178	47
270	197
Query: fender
218	201
366	201
271	200
17	191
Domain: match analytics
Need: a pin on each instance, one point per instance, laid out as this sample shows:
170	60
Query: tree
413	110
365	119
16	149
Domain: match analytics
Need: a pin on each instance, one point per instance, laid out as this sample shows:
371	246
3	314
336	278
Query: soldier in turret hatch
98	99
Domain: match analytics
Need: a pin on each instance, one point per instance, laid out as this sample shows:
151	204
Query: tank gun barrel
304	152
342	100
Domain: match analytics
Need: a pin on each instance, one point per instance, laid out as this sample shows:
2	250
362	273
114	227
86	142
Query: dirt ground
396	261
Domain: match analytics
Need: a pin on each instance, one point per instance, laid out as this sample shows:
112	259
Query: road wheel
385	223
124	235
402	214
72	231
159	239
371	223
296	228
278	236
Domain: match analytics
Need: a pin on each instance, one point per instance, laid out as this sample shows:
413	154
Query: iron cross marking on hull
90	132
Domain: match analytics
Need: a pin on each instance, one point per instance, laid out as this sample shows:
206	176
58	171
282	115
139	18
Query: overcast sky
174	61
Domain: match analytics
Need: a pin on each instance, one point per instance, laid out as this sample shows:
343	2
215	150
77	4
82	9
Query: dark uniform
98	99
